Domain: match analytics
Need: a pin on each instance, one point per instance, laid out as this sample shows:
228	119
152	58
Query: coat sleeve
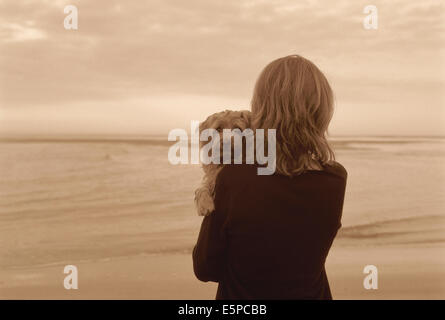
209	253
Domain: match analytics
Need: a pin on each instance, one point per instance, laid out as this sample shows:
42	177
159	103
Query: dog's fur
204	195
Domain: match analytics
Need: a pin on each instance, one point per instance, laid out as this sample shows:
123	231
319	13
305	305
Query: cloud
13	32
133	50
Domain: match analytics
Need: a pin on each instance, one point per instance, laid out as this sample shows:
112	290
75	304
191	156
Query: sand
170	276
125	217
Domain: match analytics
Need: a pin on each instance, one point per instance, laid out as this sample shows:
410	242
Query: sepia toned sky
146	67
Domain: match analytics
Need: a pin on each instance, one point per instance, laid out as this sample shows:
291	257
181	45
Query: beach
404	273
124	216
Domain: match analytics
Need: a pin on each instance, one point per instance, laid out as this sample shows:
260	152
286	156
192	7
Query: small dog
204	195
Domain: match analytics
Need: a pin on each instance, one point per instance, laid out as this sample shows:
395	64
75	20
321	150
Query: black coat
269	236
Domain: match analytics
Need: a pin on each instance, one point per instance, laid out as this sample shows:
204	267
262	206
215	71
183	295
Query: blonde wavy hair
293	96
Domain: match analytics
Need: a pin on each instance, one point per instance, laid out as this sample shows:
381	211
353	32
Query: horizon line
160	137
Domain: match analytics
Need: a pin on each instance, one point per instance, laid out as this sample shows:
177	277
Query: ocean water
70	201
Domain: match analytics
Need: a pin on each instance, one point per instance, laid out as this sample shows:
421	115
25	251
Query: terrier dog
204	195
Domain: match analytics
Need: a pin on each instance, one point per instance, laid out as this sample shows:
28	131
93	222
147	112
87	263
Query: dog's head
225	120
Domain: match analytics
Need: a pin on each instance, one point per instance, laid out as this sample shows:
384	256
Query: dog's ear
207	123
213	121
246	115
203	125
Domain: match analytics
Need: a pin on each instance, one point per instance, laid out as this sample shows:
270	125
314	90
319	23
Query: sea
68	200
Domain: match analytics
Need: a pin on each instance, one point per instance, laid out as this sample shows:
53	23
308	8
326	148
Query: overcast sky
146	67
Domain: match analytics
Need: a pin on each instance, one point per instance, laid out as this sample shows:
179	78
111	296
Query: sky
147	67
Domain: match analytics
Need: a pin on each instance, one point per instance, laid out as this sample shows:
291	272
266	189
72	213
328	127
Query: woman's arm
209	253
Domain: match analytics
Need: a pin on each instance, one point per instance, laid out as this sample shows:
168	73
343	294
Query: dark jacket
269	236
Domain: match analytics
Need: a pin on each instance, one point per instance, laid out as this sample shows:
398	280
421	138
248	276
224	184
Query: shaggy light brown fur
204	195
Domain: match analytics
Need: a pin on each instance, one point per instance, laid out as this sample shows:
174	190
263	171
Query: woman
269	235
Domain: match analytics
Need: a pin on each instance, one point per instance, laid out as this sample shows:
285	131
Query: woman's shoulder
336	168
242	171
240	174
237	171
